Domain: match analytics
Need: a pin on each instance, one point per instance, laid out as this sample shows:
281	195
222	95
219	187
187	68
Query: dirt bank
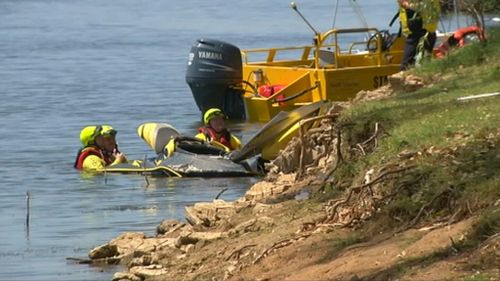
318	216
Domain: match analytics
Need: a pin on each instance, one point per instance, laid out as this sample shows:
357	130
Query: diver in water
215	131
213	138
99	149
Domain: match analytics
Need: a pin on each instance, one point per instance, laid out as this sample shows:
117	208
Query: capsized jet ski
182	156
191	157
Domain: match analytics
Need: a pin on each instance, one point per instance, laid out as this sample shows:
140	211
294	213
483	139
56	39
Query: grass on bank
458	173
465	135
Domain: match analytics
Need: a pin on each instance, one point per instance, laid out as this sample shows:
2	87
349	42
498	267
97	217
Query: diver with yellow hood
99	149
215	130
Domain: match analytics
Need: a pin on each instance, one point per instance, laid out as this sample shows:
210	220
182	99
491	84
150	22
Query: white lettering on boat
209	55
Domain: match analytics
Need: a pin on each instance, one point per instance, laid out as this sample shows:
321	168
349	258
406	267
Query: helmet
89	133
211	113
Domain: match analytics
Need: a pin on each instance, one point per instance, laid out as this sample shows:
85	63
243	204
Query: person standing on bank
419	20
99	149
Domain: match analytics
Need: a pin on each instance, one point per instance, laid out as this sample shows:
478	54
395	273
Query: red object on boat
269	90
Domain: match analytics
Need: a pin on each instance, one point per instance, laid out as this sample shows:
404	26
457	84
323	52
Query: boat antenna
357	10
335	14
294	7
359	13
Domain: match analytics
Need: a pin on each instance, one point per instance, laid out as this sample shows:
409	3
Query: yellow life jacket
403	18
429	16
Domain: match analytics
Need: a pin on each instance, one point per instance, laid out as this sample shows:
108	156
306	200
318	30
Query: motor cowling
214	74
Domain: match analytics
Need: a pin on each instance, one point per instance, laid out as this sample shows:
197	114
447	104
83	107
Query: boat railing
309	55
271	54
355	44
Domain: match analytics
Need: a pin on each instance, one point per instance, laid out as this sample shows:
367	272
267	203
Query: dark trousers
415	25
411	44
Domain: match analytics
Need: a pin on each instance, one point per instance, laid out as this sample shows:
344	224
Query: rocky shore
286	228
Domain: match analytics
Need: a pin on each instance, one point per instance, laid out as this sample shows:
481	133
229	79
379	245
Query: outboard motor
214	74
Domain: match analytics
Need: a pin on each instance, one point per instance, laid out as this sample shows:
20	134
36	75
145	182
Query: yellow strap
403	17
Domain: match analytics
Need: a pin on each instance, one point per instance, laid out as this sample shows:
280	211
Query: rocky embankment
274	232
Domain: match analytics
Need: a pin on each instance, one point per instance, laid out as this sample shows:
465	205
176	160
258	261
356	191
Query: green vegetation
488	225
456	144
432	115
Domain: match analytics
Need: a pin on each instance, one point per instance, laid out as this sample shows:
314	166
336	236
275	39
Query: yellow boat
284	78
324	71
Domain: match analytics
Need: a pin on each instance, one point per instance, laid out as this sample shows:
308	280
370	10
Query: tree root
415	220
302	138
373	138
237	253
332	211
281	244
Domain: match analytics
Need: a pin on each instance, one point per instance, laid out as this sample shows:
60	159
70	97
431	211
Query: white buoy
496	19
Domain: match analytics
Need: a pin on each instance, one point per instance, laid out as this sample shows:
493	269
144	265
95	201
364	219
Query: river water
65	64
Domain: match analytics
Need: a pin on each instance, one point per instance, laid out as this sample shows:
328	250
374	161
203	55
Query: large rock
128	242
149	271
284	187
208	214
402	82
125	276
104	251
130	245
167	226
